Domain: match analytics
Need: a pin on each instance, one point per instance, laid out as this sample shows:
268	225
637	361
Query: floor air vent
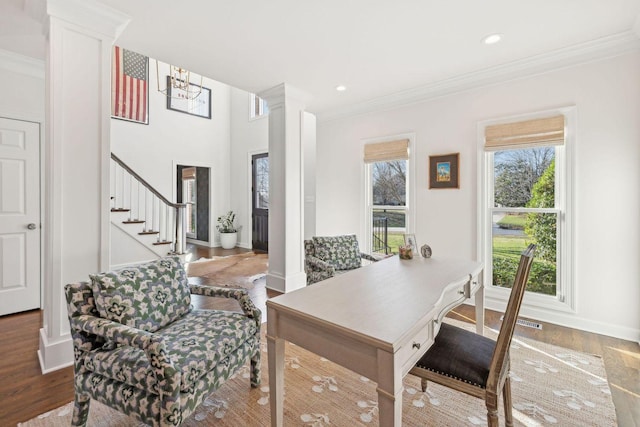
527	323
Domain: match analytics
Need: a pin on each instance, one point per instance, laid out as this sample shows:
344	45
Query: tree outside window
524	212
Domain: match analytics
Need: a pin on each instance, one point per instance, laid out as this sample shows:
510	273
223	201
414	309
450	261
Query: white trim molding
21	64
594	50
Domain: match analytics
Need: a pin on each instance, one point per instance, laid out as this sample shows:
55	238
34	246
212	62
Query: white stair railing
145	205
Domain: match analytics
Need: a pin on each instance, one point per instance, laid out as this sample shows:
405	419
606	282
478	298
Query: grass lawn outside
506	255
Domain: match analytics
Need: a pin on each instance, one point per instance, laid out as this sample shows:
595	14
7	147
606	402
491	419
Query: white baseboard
55	355
290	283
200	242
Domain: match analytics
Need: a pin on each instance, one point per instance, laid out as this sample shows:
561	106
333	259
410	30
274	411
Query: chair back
503	342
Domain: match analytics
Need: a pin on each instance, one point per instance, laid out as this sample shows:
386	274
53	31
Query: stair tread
133	221
119	210
164	242
149	232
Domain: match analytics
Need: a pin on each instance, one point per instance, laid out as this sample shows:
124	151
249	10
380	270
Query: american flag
129	85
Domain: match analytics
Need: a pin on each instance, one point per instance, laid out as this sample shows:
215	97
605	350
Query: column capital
277	95
90	15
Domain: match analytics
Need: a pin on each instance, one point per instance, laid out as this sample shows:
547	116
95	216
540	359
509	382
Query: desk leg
480	305
389	391
275	351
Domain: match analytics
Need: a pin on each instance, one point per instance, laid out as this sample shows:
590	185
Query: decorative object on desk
228	230
425	251
180	100
410	240
129	86
578	378
444	171
406	252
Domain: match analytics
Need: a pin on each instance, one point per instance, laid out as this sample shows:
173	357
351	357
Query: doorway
260	202
193	189
19	216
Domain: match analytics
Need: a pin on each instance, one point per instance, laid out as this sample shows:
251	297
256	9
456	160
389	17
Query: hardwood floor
26	393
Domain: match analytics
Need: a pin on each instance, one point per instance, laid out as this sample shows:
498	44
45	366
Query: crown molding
16	63
594	50
277	95
90	15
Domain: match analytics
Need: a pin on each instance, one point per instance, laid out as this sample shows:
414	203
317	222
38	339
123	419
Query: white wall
247	137
607	174
172	138
22	96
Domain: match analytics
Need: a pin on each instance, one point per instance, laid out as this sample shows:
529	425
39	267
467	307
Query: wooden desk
377	321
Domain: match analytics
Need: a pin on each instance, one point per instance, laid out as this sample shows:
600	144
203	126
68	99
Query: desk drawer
415	347
475	284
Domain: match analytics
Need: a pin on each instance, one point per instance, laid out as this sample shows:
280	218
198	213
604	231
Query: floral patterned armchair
141	348
326	256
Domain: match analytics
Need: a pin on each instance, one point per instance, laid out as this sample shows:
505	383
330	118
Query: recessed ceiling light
341	88
492	38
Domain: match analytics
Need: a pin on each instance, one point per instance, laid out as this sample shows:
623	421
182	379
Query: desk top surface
381	301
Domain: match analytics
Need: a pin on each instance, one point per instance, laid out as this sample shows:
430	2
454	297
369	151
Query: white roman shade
525	134
385	151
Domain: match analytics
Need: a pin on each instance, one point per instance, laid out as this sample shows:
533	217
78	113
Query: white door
19	216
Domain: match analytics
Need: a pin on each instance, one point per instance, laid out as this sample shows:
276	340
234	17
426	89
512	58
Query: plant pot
228	240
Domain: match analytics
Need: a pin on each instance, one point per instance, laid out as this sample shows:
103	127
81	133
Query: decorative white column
76	219
286	187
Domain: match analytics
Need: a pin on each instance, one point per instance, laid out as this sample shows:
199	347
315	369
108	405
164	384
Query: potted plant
228	230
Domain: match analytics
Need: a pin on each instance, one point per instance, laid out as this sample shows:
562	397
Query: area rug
551	386
240	270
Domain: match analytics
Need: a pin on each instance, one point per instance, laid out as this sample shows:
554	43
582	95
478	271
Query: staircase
153	224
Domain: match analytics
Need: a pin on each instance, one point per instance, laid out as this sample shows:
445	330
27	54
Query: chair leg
255	369
492	417
80	410
508	410
423	384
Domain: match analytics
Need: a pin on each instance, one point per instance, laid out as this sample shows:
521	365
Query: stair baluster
147	206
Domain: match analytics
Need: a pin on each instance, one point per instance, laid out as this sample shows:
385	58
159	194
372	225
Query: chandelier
179	84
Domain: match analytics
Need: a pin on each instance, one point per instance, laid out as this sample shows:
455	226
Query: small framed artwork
410	240
178	100
444	171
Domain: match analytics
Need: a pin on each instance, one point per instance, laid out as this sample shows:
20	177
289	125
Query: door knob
31	226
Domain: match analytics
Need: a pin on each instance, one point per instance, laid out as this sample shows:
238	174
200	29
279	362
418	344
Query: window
257	107
524	200
189	198
387	212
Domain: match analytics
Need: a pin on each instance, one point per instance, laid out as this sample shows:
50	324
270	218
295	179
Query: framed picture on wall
178	100
444	171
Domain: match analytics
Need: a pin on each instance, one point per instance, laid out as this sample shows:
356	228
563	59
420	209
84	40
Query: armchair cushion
147	297
195	343
341	252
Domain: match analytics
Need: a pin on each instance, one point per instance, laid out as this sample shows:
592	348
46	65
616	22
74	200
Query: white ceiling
377	48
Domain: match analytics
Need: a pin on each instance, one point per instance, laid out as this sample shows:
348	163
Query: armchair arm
241	295
316	264
374	258
153	346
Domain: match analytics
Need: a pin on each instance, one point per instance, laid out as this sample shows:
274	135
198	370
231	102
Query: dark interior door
260	197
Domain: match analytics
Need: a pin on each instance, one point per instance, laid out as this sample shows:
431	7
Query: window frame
186	183
262	107
565	300
367	191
